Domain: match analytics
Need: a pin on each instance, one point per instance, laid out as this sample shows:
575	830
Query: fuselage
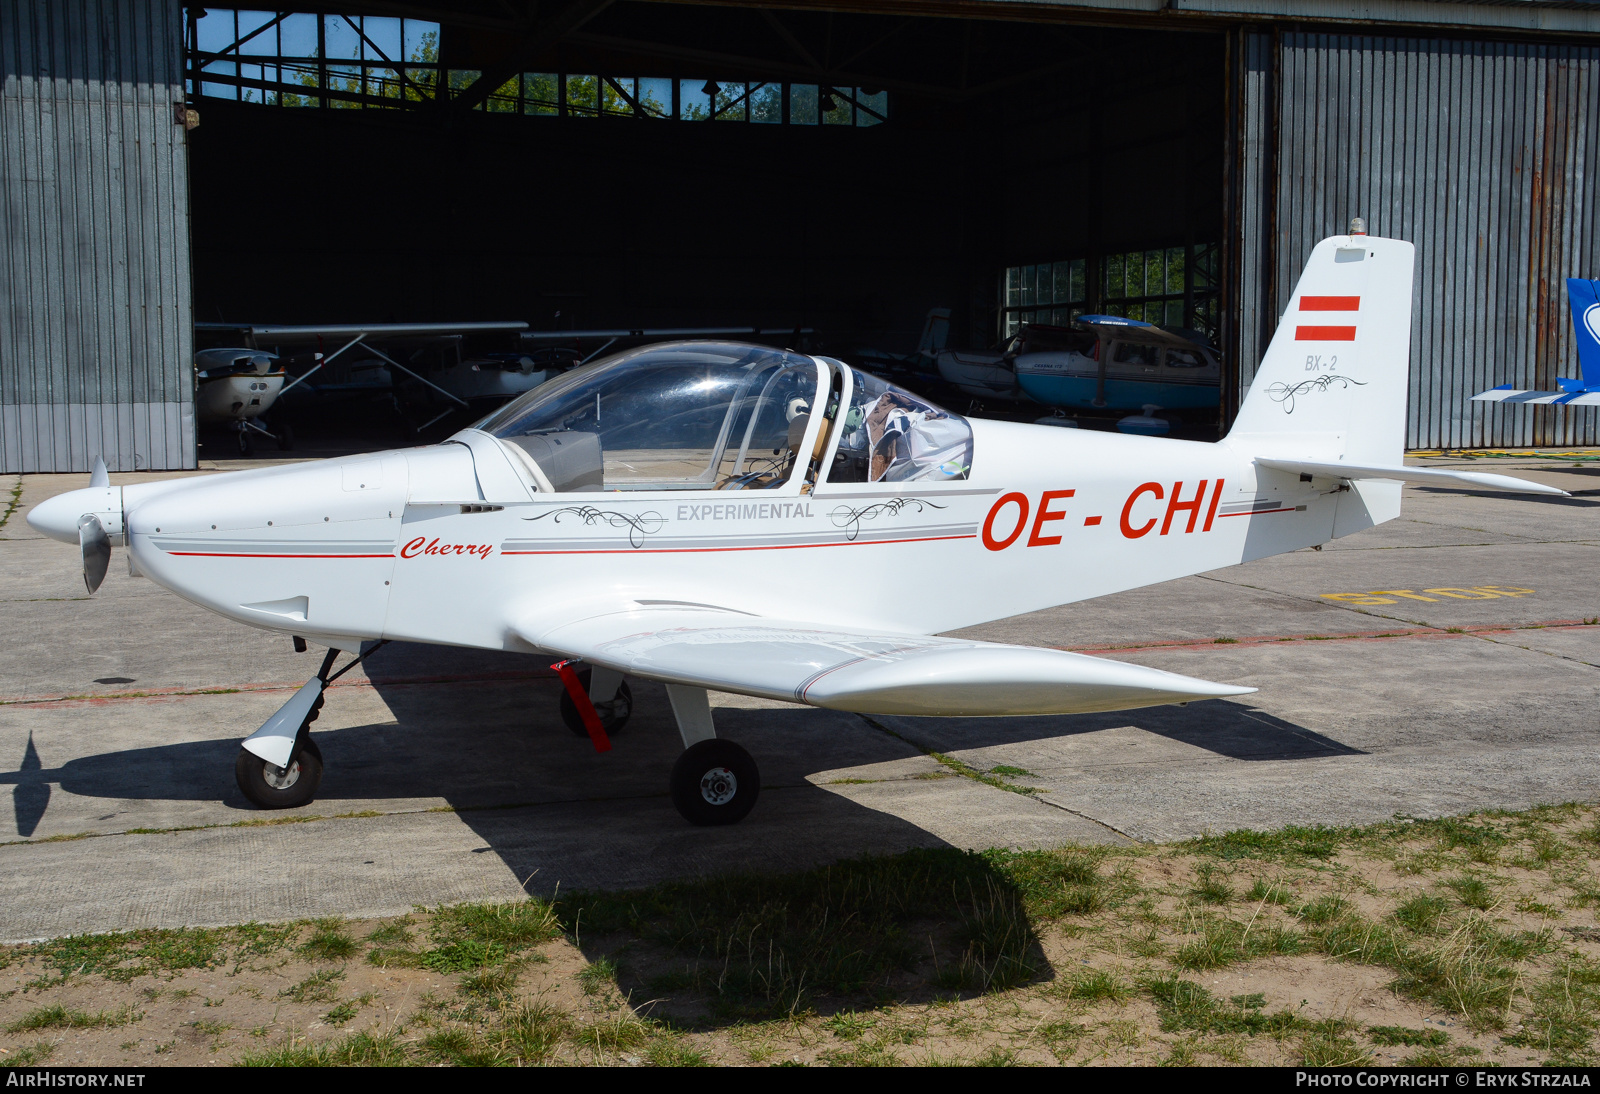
442	544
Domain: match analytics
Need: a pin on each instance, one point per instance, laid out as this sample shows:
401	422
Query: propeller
96	547
92	538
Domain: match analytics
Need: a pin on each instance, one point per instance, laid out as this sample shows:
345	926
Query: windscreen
676	416
891	435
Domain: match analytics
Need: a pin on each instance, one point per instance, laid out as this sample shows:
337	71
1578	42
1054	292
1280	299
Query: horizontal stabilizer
1505	393
1411	474
859	671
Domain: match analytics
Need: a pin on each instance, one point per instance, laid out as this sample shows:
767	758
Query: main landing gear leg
608	693
279	765
714	781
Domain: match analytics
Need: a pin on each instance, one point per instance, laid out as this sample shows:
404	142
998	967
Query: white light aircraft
719	516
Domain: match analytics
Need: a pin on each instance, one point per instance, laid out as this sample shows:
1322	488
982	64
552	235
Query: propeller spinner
92	516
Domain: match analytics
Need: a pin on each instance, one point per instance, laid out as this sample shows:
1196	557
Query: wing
1411	474
853	670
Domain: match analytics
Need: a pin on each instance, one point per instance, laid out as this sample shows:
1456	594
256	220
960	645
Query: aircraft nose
57	517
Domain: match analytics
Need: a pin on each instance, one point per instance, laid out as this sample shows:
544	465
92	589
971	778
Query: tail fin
1333	384
1584	297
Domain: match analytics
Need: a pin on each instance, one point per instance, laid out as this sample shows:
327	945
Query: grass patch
1184	1006
329	941
1421	913
1325	909
1289	844
1211	885
471	936
1473	892
489	982
29	1055
597	976
1466	972
1405	1035
397	933
357	1050
1094	987
1269	892
13	498
849	1025
320	987
531	1033
461	1049
462	956
125	955
59	1017
1225	942
673	1052
1329	1044
1482	842
1564	1014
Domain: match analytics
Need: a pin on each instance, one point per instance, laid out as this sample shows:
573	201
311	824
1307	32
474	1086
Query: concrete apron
124	712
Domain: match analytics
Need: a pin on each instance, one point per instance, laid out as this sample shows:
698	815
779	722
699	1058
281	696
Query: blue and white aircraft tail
1584	297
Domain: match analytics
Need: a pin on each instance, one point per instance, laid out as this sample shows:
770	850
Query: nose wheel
715	782
272	787
294	773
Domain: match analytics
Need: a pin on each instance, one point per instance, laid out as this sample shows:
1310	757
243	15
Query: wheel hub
718	786
281	778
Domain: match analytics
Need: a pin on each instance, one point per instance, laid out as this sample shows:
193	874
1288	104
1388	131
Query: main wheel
285	437
273	787
715	782
613	715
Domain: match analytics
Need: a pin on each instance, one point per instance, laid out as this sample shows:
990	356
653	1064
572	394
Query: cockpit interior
720	416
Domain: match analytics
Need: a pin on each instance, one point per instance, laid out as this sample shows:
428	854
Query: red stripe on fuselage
1330	303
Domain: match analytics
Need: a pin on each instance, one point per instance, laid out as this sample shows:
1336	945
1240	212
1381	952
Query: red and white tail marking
1327	333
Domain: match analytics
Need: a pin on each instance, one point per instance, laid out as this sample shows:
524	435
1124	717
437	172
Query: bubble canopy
679	416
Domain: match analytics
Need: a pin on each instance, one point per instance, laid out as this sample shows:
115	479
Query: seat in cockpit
569	459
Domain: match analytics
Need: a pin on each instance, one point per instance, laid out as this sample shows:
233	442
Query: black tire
613	715
285	437
715	782
247	444
252	773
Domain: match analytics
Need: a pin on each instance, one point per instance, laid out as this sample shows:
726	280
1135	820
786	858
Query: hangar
840	166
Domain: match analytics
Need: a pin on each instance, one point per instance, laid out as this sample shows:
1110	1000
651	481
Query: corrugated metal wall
95	331
1481	153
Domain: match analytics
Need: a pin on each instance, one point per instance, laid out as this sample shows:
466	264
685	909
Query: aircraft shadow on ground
496	742
1222	726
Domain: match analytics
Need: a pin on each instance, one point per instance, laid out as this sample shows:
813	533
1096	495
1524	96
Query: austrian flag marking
1327	333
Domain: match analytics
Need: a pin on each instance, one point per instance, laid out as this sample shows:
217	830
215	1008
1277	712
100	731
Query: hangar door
95	326
1478	152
